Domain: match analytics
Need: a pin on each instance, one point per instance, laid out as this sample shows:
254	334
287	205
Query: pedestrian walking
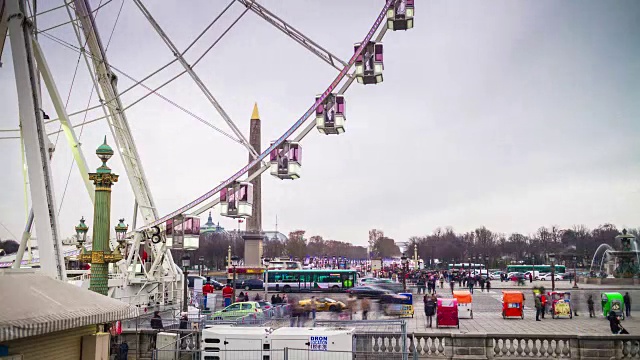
627	304
614	324
470	284
429	309
421	281
452	284
538	303
314	307
351	306
123	351
590	305
488	283
365	306
543	301
441	281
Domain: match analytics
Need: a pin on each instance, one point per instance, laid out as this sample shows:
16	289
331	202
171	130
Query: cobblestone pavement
487	308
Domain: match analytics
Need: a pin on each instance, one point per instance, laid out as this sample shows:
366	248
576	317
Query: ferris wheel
283	157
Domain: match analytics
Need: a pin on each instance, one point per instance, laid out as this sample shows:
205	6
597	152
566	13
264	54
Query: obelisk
254	223
253	237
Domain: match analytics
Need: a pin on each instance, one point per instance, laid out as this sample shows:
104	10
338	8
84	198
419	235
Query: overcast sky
508	114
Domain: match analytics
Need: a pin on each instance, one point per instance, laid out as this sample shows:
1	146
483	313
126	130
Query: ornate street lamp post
101	254
552	259
486	264
234	264
81	233
405	262
575	272
121	236
265	263
186	262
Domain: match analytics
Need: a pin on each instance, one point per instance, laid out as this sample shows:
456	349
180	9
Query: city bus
310	280
560	269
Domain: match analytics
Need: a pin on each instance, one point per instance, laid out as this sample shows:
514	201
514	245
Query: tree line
214	248
497	249
297	246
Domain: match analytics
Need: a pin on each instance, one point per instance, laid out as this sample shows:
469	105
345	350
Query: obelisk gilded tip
255	115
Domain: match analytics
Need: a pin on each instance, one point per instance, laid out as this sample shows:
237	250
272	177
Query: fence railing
274	354
524	346
389	346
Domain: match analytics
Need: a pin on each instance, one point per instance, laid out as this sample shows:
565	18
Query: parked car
547	277
216	284
252	284
495	275
540	275
239	310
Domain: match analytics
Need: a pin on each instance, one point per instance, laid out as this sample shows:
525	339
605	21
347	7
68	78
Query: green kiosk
612	302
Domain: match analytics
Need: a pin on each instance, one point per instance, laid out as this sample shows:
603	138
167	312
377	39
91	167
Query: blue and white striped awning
33	304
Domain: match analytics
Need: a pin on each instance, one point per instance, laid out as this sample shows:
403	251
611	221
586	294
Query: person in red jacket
207	288
227	294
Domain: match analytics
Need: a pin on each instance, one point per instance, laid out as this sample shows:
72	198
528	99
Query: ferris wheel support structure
37	144
162	276
117	121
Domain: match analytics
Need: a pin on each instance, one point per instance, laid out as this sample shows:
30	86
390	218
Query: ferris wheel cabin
183	232
286	160
330	115
400	16
236	200
369	64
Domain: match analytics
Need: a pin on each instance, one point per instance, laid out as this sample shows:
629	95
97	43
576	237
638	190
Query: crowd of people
427	281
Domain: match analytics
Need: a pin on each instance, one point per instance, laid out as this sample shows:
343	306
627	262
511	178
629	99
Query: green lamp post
101	255
121	235
81	233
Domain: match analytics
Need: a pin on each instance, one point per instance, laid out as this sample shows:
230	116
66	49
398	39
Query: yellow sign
562	308
407	310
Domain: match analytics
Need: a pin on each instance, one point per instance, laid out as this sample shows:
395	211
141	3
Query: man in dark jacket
627	304
429	309
156	321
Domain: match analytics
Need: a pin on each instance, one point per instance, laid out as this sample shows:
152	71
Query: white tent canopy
34	304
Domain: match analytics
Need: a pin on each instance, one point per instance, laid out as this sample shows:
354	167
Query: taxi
324	304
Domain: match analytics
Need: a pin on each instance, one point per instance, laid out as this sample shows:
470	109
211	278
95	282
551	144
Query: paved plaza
487	309
487	318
